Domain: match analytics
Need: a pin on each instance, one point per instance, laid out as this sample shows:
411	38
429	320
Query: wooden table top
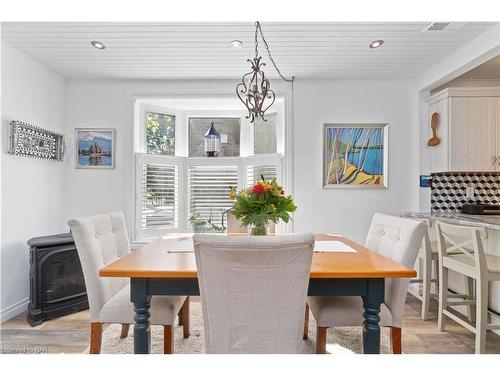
154	261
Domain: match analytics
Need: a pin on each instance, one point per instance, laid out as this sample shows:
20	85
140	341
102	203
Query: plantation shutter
157	191
267	166
208	190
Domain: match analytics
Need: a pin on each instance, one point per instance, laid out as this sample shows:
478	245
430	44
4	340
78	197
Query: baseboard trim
15	309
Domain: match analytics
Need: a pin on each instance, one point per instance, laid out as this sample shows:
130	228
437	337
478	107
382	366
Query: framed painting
95	148
355	156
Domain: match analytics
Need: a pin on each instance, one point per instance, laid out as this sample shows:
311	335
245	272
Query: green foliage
263	202
160	133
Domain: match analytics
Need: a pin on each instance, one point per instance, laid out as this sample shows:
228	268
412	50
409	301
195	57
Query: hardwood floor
70	334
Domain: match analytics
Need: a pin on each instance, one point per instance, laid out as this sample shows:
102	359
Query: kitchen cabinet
469	129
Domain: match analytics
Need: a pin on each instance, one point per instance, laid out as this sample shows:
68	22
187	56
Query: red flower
258	189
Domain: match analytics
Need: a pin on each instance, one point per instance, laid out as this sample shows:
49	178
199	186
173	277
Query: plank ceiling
203	50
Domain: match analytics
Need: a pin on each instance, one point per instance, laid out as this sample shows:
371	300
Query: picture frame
94	148
364	146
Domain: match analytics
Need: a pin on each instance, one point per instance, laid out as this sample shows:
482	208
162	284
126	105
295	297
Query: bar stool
427	260
473	263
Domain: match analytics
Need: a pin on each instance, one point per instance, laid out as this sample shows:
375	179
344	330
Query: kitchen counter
485	221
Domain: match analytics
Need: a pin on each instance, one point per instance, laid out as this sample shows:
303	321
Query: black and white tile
448	192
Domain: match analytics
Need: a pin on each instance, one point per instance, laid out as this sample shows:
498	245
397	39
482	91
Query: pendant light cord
258	29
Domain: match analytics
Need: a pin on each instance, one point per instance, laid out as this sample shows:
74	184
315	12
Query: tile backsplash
448	192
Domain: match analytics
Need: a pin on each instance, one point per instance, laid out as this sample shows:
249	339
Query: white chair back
99	240
253	291
464	240
399	239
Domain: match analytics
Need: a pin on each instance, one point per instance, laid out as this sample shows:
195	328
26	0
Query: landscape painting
355	156
95	148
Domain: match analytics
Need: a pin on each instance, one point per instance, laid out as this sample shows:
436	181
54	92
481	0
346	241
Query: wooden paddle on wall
434	141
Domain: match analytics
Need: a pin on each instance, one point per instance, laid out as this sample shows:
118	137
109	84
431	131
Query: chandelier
254	90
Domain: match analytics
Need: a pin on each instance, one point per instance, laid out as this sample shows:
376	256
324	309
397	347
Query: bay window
174	180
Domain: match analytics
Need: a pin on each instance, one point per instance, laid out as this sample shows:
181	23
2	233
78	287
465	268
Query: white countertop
485	221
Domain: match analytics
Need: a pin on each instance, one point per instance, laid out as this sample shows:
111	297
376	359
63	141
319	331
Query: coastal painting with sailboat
355	156
95	148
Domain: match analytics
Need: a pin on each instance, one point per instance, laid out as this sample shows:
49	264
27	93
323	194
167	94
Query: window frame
246	158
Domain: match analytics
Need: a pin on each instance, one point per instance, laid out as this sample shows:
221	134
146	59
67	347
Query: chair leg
305	336
185	318
426	287
471	309
95	337
481	313
321	340
397	347
443	296
436	275
168	340
124	332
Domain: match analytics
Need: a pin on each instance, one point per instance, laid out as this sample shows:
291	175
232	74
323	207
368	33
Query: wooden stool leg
124	333
185	318
396	342
481	313
305	336
443	296
426	287
168	340
95	337
471	309
321	340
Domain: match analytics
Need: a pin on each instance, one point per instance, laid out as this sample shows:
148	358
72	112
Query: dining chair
427	262
473	263
393	237
253	291
100	240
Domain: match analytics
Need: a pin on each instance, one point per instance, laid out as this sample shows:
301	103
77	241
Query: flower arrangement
261	203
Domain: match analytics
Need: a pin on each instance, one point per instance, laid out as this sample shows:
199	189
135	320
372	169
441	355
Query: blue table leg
142	327
371	306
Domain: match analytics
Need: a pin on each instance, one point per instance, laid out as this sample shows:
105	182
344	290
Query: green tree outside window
160	133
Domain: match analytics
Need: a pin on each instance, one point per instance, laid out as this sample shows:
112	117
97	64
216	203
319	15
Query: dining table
340	267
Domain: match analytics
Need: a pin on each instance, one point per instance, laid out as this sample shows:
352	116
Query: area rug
339	340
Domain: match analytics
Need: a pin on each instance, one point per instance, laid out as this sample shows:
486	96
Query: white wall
31	188
348	211
107	104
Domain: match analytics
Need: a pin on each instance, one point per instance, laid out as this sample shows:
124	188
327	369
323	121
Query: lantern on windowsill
212	142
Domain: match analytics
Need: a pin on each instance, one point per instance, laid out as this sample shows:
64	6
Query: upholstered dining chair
393	237
100	240
253	291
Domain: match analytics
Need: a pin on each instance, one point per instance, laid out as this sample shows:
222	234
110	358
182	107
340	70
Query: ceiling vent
436	26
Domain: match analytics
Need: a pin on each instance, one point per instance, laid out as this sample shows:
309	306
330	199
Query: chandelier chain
259	29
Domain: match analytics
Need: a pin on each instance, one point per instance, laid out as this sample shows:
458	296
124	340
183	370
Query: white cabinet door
472	134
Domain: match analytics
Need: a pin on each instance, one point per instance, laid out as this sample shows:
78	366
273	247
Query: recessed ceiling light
97	44
237	43
376	43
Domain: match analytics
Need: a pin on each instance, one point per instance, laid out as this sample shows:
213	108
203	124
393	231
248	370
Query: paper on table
332	247
182	245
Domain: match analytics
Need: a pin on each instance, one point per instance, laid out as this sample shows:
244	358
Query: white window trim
136	98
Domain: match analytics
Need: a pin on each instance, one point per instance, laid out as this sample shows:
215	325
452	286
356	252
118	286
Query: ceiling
203	50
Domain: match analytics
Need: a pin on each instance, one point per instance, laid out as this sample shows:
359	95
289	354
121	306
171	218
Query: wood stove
57	286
